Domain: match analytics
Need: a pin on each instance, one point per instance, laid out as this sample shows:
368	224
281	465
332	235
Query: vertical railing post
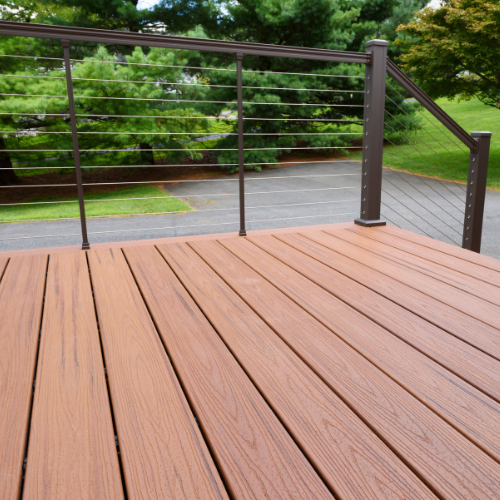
76	149
373	135
241	144
476	192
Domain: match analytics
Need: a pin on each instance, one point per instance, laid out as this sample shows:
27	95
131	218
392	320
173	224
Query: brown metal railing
377	68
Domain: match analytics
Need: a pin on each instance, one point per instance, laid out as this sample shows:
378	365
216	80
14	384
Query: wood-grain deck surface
72	430
21	301
330	362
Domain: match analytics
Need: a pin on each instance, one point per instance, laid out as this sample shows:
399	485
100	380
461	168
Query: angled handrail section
479	145
413	89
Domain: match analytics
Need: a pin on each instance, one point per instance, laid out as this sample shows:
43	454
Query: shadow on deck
333	362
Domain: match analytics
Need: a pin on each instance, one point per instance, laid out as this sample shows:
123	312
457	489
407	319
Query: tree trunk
147	157
6	176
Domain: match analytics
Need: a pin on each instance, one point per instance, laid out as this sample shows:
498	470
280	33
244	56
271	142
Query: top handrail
77	34
413	89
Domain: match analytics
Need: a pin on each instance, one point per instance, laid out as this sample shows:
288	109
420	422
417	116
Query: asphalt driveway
298	195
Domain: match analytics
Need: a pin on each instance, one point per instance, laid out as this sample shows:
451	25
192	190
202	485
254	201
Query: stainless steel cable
423	165
125	63
425	208
202	165
391	221
461	161
428	146
167	149
208	195
177	181
212	69
424	195
76	79
224	134
178	212
61	115
33	57
407	220
415	213
435	178
35	76
172	227
189	100
452	139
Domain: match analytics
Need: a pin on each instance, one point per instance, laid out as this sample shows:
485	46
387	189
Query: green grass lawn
435	152
126	205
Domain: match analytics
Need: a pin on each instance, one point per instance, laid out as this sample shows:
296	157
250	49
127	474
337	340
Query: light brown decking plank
254	453
437	272
449	463
467	362
349	457
461	301
21	298
71	450
446	248
450	261
162	450
470	330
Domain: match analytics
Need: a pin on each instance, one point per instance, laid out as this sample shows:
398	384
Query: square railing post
241	143
373	135
76	149
476	192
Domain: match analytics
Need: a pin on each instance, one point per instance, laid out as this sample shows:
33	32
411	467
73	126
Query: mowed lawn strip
161	202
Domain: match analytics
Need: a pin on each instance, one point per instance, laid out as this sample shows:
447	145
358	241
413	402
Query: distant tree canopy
306	107
455	50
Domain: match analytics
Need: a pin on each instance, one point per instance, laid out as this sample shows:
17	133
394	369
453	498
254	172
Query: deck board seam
389	330
35	374
413	288
381	369
394	261
484	351
108	392
365	235
176	373
3	271
297	443
458	255
380	436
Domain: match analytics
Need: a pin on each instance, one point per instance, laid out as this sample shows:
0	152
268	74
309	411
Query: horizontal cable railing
102	138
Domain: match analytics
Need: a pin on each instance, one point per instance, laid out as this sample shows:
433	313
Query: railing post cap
381	43
481	134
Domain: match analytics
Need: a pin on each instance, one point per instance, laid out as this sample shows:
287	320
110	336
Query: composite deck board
256	456
288	364
450	261
483	290
439	246
459	299
348	456
71	433
449	463
450	319
162	450
21	299
467	362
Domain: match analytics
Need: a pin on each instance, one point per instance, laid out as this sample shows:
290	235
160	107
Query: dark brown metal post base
85	246
242	233
369	223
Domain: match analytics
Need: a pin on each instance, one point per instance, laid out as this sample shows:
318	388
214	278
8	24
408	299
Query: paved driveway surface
280	197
